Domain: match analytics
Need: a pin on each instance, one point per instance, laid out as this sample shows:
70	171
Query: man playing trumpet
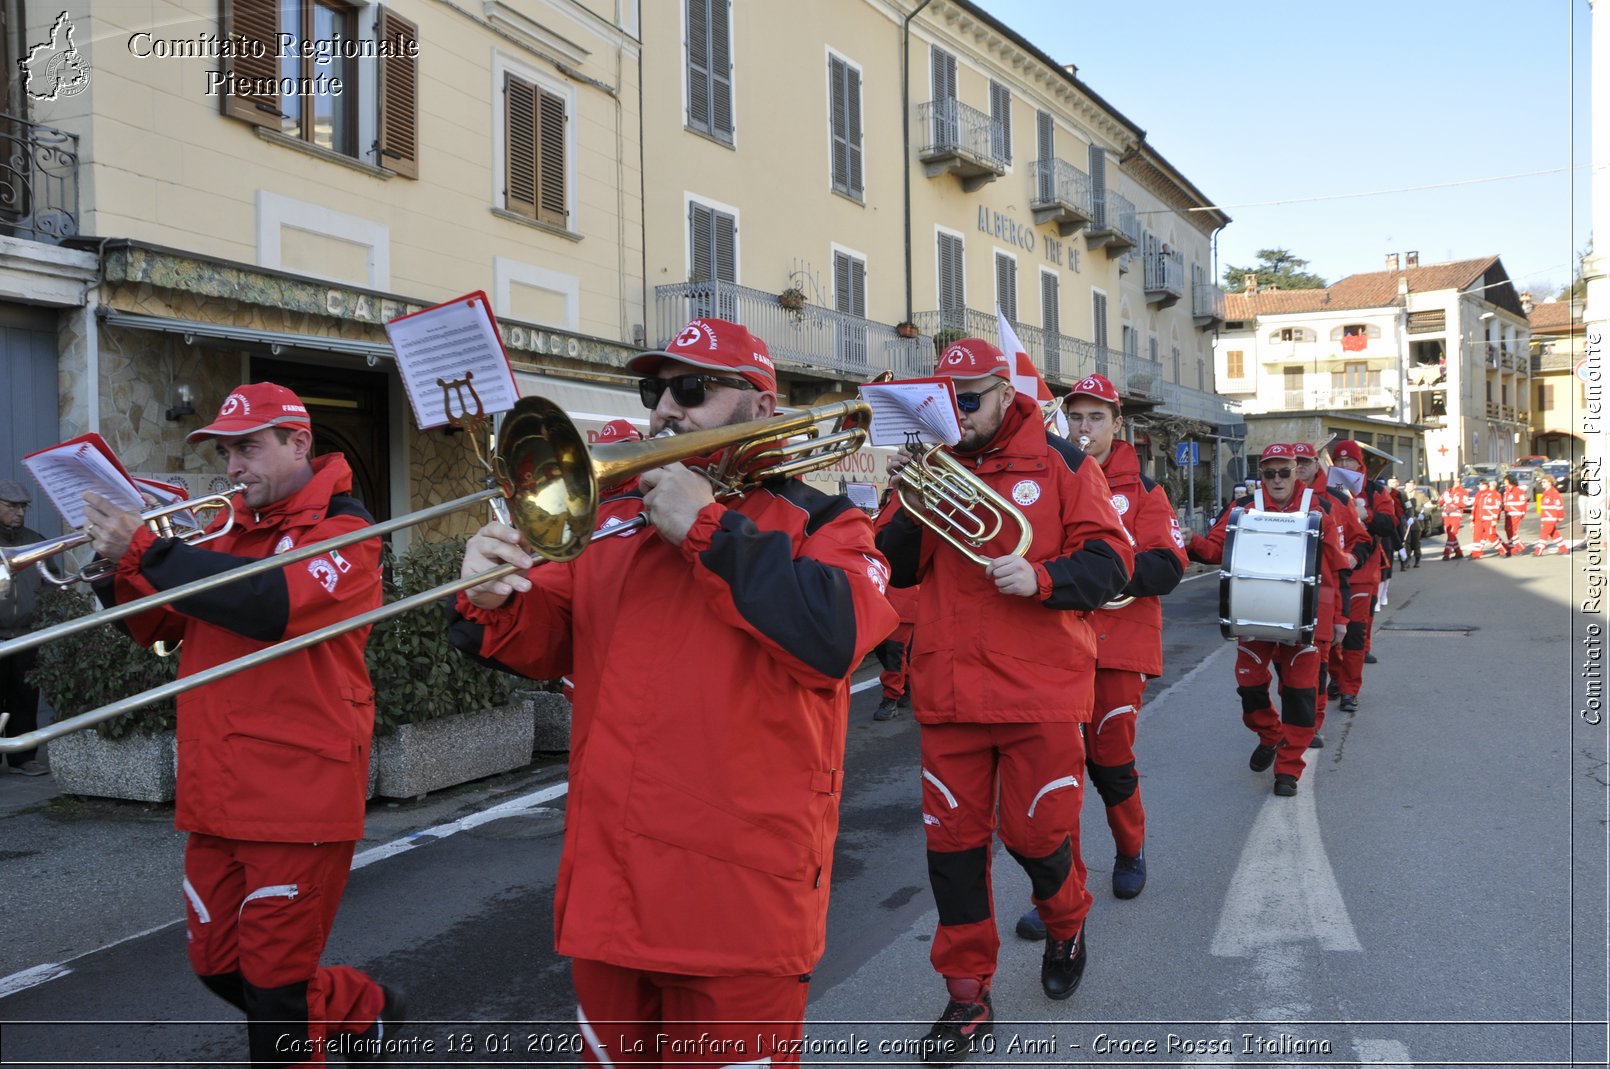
711	658
1003	665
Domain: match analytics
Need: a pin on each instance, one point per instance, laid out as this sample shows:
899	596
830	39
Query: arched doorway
349	409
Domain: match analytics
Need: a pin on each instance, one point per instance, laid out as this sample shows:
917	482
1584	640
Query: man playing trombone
711	658
273	762
1003	667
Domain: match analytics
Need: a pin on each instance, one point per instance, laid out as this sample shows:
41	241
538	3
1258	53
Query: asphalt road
1434	894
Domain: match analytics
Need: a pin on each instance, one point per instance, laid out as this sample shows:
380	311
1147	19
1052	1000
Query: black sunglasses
969	402
1275	473
688	391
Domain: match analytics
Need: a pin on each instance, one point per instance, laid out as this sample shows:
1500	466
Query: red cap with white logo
254	407
972	358
619	430
1305	451
1098	386
1279	451
715	345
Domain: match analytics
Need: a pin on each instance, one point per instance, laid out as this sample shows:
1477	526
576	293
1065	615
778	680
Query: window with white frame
849	297
712	258
952	282
709	67
1006	284
844	110
1050	303
535	151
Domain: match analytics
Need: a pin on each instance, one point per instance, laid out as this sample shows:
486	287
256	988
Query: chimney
1249	284
1526	302
1391	261
1411	258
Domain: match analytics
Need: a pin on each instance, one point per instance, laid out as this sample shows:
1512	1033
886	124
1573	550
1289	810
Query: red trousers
1034	770
1512	524
1256	665
895	656
1110	755
257	916
1450	530
1347	657
634	1017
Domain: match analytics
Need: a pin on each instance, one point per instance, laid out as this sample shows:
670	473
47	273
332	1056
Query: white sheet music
921	410
64	472
447	342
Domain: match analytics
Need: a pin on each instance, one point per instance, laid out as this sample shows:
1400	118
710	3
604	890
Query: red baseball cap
1347	448
714	345
1305	450
1098	386
254	407
619	430
972	358
1279	451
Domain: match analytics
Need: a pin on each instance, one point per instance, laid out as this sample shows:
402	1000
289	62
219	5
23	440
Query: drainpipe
905	132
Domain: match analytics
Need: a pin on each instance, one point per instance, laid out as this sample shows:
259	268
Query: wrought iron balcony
1207	303
38	181
962	141
1114	226
1164	274
811	337
1061	196
1143	377
1196	404
1061	359
1367	398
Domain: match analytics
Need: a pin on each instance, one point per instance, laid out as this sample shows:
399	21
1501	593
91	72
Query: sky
1258	101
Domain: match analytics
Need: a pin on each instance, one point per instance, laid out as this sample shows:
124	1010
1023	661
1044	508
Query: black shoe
371	1045
1030	926
887	710
1369	658
1349	703
955	1035
1063	965
1128	875
1262	757
905	700
1285	785
1332	691
1316	743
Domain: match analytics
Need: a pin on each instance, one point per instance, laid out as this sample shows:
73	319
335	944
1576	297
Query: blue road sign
1185	453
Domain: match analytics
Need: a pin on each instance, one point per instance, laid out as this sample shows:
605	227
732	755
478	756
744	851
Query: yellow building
250	195
885	169
1558	396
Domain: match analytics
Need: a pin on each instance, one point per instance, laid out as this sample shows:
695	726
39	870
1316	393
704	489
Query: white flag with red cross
1025	376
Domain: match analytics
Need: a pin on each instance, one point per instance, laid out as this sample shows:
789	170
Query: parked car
1536	460
1526	478
1564	477
1427	504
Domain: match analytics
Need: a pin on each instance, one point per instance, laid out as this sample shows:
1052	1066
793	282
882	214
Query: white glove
1403	554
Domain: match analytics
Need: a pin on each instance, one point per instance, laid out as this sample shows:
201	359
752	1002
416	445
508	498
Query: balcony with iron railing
1114	226
1164	274
1374	398
806	338
962	141
1199	405
1060	358
38	181
1061	196
1207	303
1143	377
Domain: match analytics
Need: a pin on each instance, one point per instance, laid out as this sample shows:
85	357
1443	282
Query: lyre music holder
471	418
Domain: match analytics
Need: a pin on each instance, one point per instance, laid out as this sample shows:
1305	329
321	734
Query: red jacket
707	740
1455	500
1517	502
1551	506
980	656
1333	558
279	752
1487	507
1131	638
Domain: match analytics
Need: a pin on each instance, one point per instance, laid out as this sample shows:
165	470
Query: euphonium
944	496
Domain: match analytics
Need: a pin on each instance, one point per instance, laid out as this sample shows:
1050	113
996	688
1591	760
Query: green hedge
417	675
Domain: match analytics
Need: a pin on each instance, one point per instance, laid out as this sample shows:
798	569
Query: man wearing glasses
1003	669
1282	739
711	658
17	697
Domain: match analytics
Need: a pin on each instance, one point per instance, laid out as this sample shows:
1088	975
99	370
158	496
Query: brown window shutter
399	96
520	148
249	22
551	205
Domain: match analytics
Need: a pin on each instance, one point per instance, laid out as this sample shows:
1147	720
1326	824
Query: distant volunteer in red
1455	502
711	654
1517	503
1282	738
1551	511
1485	513
273	761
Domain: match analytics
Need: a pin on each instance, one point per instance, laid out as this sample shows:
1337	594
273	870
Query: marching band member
1484	516
1003	667
1129	639
711	657
894	652
1347	659
1454	502
1282	738
273	761
1551	511
1335	602
1516	505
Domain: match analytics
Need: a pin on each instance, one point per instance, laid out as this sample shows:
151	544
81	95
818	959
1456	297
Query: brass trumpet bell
547	478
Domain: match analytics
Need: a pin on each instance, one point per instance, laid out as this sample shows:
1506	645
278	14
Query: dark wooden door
349	410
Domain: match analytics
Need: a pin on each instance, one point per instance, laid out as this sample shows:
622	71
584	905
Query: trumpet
551	484
159	519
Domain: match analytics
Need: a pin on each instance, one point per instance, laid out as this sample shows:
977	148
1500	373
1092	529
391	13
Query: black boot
968	1016
1063	965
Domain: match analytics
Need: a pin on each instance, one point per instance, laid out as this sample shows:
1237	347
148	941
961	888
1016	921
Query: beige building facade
259	186
1558	346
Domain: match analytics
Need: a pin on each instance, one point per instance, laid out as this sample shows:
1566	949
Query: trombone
552	484
159	519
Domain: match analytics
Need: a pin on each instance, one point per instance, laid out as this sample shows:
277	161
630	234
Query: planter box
420	758
552	713
139	768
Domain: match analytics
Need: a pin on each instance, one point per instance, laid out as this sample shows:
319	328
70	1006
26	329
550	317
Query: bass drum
1269	581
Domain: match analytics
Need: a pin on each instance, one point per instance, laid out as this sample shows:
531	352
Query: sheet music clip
471	417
